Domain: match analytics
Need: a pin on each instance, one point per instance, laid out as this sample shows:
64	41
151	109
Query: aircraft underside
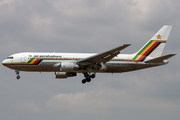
111	68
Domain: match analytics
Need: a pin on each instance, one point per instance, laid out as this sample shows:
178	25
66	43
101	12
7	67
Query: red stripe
148	51
36	61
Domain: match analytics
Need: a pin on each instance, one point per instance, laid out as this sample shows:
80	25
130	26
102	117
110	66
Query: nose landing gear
88	77
17	73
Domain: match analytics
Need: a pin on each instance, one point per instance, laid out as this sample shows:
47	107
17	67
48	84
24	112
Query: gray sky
88	26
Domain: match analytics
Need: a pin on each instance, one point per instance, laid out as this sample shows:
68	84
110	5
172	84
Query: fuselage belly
112	67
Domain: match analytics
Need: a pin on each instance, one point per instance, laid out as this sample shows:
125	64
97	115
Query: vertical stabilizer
155	46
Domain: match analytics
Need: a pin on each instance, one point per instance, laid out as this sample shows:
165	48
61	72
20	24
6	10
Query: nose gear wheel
17	73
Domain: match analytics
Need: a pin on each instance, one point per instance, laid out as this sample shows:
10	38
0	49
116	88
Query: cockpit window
10	57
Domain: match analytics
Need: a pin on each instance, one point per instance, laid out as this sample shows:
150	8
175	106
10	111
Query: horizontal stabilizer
160	59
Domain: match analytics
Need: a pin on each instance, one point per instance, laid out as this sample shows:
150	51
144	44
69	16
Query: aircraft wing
160	59
102	57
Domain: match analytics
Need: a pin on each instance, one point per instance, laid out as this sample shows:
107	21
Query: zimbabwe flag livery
147	49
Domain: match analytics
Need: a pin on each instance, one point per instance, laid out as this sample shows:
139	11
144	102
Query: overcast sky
88	26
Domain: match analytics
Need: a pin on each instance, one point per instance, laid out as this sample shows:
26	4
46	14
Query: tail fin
155	46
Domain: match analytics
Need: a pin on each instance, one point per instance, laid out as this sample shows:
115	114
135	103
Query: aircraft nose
3	62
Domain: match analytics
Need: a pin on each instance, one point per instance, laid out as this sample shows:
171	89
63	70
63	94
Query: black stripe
39	61
151	51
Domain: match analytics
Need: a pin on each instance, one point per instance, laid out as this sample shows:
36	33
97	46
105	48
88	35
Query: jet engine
61	75
68	66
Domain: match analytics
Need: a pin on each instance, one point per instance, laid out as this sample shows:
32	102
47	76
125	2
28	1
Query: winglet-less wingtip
126	44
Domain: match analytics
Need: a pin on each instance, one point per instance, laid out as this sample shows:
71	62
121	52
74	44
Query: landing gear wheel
93	76
88	80
88	77
17	73
18	77
84	81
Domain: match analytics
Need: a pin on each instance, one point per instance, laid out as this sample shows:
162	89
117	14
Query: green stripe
142	49
30	60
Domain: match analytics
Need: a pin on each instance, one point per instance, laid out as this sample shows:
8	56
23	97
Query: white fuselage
48	62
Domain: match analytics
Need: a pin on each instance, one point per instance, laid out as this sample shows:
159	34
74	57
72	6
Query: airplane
66	65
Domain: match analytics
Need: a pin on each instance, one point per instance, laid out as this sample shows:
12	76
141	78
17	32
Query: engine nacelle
62	75
68	66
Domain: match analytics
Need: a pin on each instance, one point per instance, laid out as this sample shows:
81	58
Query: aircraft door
23	59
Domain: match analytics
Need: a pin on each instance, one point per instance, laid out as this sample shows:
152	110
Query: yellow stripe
148	47
139	56
145	50
32	61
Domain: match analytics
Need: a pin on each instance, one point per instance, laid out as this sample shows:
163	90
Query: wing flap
160	59
102	57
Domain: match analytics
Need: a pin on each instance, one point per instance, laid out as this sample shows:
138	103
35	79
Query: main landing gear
88	77
17	73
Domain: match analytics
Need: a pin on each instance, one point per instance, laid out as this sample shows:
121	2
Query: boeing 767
69	64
